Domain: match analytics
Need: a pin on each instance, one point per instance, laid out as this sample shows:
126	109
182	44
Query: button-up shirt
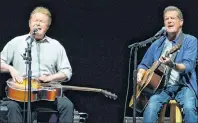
187	55
48	56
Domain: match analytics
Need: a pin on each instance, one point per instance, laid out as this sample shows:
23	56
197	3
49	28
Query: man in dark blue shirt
180	82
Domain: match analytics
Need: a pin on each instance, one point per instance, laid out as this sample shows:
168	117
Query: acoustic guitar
152	80
43	91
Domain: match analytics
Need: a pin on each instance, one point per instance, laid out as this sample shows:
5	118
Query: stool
79	117
175	112
40	114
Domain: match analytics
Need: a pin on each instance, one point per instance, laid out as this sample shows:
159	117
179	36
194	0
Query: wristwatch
174	65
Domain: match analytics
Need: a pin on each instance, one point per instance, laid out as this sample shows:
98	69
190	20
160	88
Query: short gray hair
43	10
173	8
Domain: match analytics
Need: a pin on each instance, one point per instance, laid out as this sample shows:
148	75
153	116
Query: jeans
62	104
184	96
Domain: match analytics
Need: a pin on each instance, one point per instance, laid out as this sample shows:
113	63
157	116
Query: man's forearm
60	76
179	67
5	67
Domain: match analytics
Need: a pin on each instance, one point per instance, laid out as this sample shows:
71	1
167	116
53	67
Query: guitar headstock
173	49
109	94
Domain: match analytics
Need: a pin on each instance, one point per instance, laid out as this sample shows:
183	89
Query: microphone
35	30
161	32
150	40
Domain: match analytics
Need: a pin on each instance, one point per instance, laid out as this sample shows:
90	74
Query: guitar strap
173	56
180	41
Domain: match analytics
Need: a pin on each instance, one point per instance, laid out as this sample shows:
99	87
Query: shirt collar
45	39
176	39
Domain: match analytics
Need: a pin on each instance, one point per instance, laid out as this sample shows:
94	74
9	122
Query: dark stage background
96	35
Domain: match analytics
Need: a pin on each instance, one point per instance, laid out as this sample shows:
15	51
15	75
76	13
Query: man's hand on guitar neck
167	61
177	66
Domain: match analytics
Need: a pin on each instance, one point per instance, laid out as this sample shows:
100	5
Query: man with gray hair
180	82
50	65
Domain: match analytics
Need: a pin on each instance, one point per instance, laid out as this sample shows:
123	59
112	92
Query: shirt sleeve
63	64
7	53
148	58
190	54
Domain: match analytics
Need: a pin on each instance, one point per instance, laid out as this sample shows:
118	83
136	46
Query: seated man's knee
189	107
189	104
70	105
154	105
12	105
151	107
65	103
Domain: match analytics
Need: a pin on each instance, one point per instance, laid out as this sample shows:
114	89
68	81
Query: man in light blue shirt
50	64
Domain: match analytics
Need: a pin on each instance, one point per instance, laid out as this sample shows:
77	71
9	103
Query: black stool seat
41	114
45	110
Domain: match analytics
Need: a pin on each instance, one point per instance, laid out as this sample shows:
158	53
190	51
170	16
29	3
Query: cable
128	84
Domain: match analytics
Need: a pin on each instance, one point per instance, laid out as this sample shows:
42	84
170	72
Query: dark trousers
62	104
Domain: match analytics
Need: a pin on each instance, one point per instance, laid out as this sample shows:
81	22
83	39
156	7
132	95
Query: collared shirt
187	55
173	77
48	56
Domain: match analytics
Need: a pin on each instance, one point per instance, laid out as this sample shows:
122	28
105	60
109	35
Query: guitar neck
155	65
76	88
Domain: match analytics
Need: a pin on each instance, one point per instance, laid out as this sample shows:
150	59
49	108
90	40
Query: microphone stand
135	46
28	58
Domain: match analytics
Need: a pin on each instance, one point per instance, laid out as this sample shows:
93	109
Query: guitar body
44	91
19	92
152	80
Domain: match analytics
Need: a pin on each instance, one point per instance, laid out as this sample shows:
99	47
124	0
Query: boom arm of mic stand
143	43
147	41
